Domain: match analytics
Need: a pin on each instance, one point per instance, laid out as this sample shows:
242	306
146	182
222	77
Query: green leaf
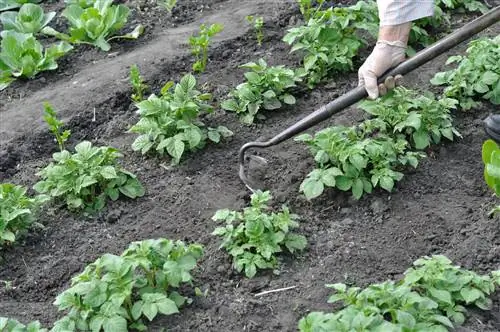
387	183
150	310
470	294
343	183
421	139
214	136
440	295
132	188
115	324
357	188
167	307
289	99
312	188
329	175
108	172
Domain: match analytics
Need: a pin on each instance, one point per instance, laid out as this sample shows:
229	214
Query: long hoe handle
359	93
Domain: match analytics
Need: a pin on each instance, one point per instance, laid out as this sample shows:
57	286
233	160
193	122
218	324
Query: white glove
385	55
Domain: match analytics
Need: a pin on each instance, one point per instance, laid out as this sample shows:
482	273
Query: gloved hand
385	55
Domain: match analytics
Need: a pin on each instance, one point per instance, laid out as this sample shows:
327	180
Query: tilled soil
439	208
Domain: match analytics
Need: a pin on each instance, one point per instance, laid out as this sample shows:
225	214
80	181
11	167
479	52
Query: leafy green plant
96	25
355	159
168	4
451	287
21	55
253	237
13	4
12	325
258	23
372	154
265	87
329	41
137	84
17	212
430	297
419	116
118	293
87	178
476	75
29	19
50	117
199	45
170	122
491	161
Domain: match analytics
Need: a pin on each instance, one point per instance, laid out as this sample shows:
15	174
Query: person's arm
396	17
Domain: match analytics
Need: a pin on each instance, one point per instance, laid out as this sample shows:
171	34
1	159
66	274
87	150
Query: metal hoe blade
359	93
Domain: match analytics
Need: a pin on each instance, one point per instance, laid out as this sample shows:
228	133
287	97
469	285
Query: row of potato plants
433	296
22	55
328	42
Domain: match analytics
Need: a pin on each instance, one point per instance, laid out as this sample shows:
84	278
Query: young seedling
258	23
199	45
254	237
168	4
137	84
55	126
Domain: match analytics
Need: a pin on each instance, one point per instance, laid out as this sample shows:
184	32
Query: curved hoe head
252	180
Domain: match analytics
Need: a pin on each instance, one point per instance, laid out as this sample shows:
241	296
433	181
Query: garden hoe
359	93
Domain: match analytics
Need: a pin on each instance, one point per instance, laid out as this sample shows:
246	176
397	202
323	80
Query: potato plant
86	179
477	74
420	117
21	55
199	45
96	25
122	293
253	237
17	212
29	19
360	158
266	87
329	41
431	296
170	122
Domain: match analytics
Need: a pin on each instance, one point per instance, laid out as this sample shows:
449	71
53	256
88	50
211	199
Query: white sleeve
392	12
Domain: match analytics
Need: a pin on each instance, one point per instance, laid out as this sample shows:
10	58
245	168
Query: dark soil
439	208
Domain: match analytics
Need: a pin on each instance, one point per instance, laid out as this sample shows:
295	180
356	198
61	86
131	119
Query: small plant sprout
55	126
138	84
199	45
258	23
168	5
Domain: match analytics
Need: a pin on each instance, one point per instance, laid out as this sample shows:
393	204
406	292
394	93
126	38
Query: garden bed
439	208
